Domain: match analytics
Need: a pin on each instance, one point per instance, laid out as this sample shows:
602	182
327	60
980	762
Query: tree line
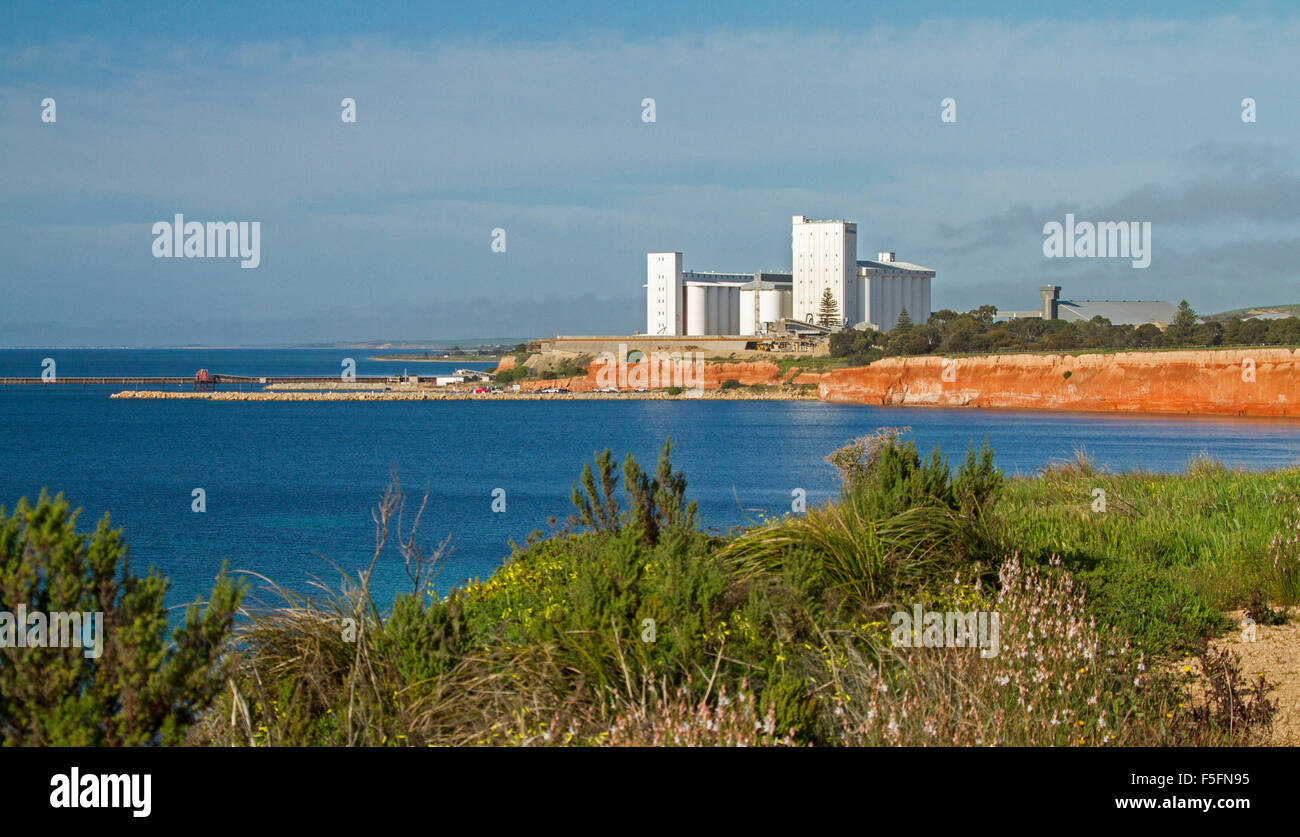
975	332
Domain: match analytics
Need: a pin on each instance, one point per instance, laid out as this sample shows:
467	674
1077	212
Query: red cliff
1251	382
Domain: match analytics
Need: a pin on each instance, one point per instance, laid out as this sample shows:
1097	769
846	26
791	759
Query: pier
201	380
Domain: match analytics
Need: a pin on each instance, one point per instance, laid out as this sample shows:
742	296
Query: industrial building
823	254
1118	312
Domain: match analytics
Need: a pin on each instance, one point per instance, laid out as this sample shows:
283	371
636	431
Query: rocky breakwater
1239	382
774	394
267	395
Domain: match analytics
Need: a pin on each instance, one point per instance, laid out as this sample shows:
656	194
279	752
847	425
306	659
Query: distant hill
1288	310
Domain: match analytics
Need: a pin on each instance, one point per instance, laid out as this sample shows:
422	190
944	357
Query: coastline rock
1238	382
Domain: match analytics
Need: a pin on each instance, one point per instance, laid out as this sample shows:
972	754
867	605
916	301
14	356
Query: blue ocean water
289	485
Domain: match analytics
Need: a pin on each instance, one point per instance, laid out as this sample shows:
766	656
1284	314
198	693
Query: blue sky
527	117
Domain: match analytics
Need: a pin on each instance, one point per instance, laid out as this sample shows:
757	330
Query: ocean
289	486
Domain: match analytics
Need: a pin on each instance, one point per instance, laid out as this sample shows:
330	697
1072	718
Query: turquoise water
289	485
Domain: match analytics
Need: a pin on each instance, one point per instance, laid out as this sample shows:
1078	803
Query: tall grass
644	630
1169	552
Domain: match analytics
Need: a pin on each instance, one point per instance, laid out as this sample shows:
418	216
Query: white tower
663	296
825	255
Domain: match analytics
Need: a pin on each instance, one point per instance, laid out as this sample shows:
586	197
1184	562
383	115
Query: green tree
138	686
655	504
1182	331
828	310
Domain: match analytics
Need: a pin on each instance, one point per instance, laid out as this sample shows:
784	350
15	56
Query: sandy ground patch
1275	653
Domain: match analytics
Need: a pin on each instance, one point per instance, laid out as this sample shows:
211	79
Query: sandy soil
1276	655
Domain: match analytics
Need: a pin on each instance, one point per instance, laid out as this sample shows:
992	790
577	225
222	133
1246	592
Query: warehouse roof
893	265
1122	312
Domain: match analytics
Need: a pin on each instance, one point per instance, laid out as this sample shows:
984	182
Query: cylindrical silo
697	310
769	305
748	312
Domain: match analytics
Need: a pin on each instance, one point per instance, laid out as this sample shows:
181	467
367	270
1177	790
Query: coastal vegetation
628	624
118	678
545	368
975	332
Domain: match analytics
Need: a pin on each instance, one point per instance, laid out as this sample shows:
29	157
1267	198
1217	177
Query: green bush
142	688
509	376
655	505
643	628
730	383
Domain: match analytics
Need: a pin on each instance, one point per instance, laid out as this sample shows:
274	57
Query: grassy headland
630	625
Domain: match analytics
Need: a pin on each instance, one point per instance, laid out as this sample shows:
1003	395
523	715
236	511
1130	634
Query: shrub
1057	680
142	688
900	523
730	383
654	505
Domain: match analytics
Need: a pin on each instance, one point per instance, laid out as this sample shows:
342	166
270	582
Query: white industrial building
824	255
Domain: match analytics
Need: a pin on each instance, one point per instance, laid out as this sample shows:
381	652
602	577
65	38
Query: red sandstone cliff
1193	381
1199	381
744	372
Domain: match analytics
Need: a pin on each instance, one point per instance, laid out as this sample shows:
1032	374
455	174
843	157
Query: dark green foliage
828	310
597	506
859	346
886	477
144	688
974	332
1150	602
424	636
795	708
899	480
655	504
1182	331
508	376
978	483
730	383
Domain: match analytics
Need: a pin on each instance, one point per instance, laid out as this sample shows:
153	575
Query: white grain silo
697	310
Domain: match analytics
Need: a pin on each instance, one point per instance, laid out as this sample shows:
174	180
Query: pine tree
829	311
1182	331
904	323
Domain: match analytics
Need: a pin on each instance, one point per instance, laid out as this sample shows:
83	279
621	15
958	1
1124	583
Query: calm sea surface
291	484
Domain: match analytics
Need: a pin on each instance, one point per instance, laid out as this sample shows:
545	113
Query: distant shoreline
443	359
